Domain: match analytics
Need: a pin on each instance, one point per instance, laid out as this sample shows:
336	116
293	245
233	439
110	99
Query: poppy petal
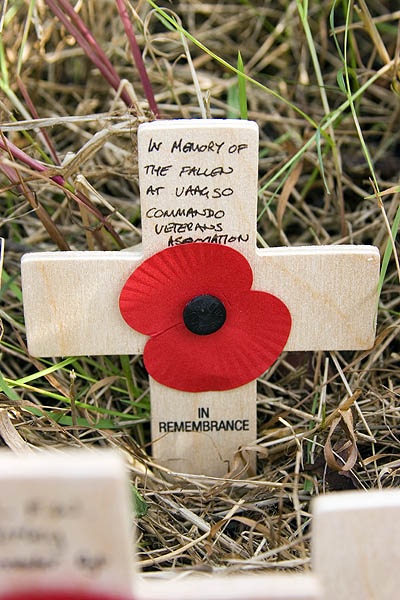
264	318
153	298
253	336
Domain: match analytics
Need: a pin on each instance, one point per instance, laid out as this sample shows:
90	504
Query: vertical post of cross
65	524
198	183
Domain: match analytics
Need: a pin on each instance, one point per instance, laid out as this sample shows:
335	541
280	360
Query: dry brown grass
197	523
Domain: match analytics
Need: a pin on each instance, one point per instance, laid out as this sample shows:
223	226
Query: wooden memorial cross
65	527
355	544
354	555
65	534
198	183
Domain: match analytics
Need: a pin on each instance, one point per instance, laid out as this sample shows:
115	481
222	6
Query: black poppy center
204	314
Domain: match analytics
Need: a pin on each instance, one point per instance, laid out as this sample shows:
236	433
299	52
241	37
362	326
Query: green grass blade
9	392
332	24
45	372
11	10
233	110
25	35
177	27
60	398
3	66
336	114
133	391
242	88
9	283
320	160
351	101
64	420
388	251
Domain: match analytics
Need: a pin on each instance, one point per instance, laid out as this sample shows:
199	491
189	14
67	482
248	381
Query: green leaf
9	283
140	505
10	393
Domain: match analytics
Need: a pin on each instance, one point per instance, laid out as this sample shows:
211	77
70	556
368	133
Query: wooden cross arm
331	292
71	298
71	303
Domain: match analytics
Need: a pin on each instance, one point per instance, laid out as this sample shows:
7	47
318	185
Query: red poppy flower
208	330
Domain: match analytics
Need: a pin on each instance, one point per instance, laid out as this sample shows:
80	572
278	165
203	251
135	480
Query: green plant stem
242	89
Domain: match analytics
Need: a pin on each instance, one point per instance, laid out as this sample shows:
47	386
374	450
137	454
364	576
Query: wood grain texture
198	182
71	303
245	587
71	298
206	172
65	521
331	292
71	308
202	433
355	544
